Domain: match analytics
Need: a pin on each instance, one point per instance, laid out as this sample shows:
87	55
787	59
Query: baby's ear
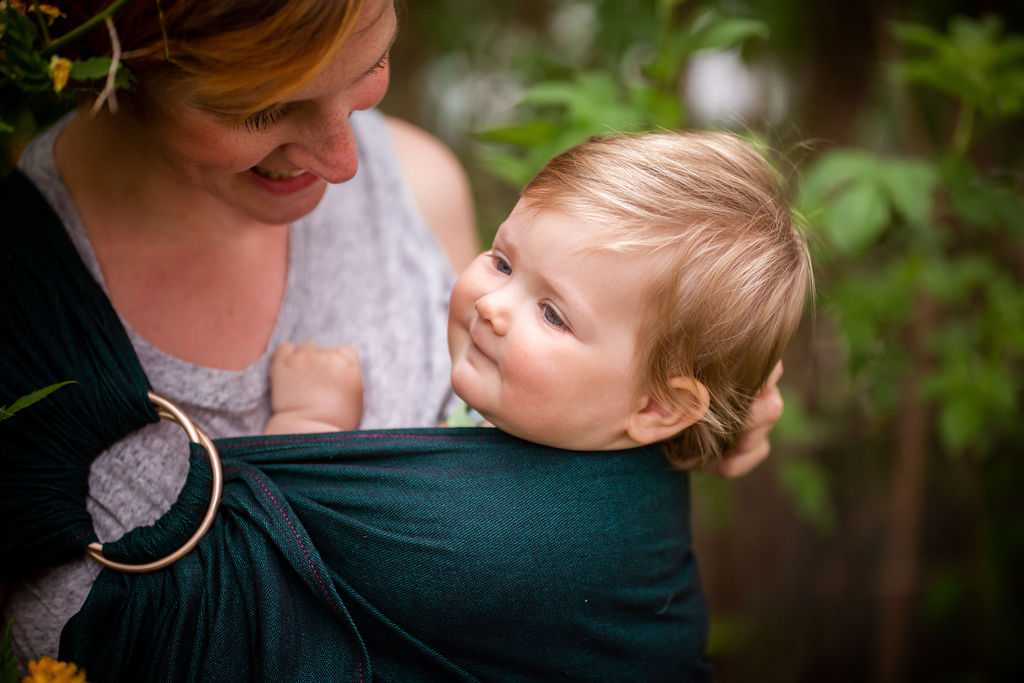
657	420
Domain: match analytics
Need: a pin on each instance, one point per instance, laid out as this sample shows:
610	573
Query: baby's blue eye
501	265
551	315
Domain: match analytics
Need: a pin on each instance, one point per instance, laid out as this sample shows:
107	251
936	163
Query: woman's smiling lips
278	175
282	182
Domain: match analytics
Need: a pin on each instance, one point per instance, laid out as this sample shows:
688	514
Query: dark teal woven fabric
422	555
416	555
56	325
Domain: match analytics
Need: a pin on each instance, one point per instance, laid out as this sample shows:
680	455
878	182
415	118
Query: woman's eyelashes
379	66
264	119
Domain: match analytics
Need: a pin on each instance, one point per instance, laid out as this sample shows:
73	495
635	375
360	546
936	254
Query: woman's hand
754	446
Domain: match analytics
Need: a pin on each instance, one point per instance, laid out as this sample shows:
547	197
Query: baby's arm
314	390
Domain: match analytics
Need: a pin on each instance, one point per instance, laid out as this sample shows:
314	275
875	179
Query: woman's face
274	168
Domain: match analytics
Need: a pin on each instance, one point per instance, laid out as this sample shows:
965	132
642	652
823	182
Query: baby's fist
322	385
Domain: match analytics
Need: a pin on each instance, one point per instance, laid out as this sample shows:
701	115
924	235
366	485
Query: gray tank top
364	270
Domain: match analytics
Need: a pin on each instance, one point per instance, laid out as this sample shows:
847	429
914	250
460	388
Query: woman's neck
178	264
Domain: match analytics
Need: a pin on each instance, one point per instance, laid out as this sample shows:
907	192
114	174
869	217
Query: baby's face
543	330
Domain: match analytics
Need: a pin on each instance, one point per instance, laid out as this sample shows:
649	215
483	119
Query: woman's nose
328	144
329	148
495	310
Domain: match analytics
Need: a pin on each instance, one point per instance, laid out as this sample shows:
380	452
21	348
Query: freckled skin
200	148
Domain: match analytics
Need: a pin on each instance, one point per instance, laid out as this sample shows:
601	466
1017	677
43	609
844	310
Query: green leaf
708	31
973	384
910	186
661	109
8	664
918	35
973	62
981	201
558	93
831	173
872	304
665	10
515	170
856	218
723	33
525	135
956	281
594	102
88	69
29	399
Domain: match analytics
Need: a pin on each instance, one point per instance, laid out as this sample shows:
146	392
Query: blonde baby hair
733	270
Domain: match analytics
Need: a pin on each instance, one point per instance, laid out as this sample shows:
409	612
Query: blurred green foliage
558	113
912	230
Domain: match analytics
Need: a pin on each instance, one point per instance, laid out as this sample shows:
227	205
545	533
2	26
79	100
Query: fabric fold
59	326
416	555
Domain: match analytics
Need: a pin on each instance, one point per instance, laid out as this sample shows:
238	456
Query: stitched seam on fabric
69	541
295	532
320	439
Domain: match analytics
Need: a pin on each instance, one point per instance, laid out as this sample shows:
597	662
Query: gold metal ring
169	411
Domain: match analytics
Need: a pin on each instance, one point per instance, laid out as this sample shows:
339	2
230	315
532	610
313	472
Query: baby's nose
492	309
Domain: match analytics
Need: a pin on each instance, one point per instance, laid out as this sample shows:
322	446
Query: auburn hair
234	56
732	273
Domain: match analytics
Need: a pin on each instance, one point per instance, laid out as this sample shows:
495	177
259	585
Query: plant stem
42	21
86	26
163	31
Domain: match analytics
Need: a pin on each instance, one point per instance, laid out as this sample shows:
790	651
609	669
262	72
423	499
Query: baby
642	290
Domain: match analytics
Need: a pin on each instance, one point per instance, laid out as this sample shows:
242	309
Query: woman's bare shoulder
440	188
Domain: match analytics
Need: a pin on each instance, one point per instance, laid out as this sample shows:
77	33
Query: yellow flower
48	670
52	13
60	67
